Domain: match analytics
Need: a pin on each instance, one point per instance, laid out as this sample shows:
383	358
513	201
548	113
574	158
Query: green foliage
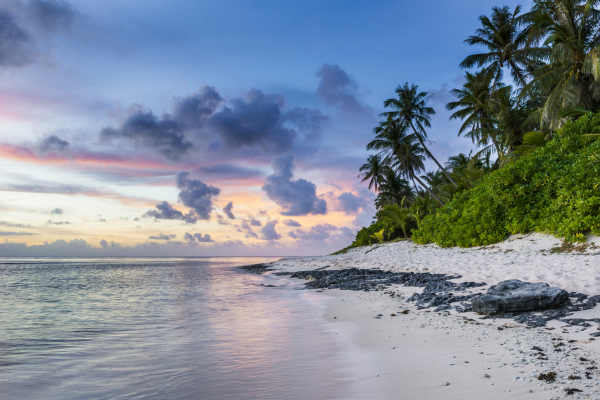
555	189
380	236
397	214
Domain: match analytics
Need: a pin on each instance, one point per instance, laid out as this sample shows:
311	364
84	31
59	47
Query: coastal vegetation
530	103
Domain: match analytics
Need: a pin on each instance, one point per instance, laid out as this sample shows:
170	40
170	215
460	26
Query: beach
394	349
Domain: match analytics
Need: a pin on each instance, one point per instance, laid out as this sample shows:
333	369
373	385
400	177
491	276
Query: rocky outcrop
514	296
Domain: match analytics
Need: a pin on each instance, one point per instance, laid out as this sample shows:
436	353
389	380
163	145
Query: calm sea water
192	328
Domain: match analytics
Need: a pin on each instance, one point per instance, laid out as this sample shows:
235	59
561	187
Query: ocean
159	328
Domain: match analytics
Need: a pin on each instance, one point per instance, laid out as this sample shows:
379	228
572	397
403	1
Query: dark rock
257	268
514	295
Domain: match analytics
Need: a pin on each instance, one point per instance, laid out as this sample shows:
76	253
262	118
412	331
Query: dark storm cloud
297	197
291	222
164	211
196	195
142	128
52	14
16	46
227	210
349	203
268	231
316	233
160	236
57	211
230	171
261	120
14	224
4	233
338	88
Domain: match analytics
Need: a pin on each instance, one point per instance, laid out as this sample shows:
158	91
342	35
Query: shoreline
414	355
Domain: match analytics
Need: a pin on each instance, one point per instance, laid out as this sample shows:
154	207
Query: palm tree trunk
427	188
420	139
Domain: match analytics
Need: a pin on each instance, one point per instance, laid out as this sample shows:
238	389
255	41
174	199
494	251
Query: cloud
246	228
160	236
166	135
261	120
268	231
142	128
50	222
52	14
16	46
51	144
14	225
227	210
196	195
222	221
291	222
198	236
57	211
230	171
337	88
255	222
316	233
297	197
349	203
103	243
164	211
4	233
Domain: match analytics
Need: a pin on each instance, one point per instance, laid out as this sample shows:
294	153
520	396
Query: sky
208	128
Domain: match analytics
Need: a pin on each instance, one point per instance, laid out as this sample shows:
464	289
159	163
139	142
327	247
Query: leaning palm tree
410	108
373	171
569	30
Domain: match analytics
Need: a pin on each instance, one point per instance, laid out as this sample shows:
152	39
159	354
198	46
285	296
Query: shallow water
189	328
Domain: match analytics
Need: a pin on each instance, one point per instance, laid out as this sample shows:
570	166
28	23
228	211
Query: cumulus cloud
316	233
246	228
349	203
261	120
103	243
199	237
268	231
57	211
222	221
227	210
193	111
196	195
297	197
160	236
255	222
164	211
51	144
291	222
339	89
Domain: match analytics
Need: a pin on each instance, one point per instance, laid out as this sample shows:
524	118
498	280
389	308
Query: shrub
555	189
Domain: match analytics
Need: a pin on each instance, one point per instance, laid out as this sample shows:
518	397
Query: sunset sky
193	128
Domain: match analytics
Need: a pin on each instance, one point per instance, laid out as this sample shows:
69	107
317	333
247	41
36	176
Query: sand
414	355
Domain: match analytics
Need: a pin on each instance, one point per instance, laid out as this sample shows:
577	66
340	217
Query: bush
555	190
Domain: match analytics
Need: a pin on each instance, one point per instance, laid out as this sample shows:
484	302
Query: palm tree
398	214
373	171
506	44
569	30
393	190
421	207
411	109
473	106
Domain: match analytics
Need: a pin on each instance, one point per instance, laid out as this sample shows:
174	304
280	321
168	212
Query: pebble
447	384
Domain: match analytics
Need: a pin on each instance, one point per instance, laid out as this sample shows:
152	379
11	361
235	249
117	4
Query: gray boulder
514	295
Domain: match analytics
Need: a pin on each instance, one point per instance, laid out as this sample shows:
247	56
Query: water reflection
157	328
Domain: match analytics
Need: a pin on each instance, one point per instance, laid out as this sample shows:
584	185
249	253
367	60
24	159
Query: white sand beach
425	354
